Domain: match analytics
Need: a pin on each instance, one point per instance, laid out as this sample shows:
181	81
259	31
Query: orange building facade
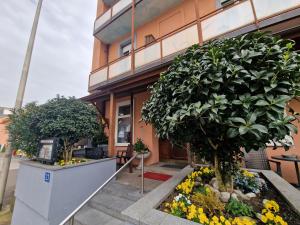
135	40
4	112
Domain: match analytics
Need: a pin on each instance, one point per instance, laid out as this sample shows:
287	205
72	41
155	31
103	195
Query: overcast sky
62	54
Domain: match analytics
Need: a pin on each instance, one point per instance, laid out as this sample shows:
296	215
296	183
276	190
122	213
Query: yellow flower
227	222
271	205
215	219
270	216
222	219
264	219
246	173
200	210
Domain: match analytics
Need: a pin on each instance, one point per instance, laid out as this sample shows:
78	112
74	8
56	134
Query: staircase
106	207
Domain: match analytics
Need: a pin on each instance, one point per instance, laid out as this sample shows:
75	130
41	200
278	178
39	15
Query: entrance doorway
167	151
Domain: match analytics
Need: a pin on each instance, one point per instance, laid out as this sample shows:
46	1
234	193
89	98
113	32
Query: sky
62	54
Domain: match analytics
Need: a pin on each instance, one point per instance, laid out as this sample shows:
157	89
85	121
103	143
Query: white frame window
122	133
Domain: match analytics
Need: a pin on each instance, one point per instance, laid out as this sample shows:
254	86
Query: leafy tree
23	129
68	119
226	95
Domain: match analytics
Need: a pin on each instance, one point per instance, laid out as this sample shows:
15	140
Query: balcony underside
120	23
109	2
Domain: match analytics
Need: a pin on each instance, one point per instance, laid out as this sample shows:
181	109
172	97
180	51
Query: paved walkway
12	178
106	207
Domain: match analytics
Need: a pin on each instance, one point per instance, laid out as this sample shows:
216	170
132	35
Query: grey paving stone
156	196
90	216
153	217
111	201
122	190
170	220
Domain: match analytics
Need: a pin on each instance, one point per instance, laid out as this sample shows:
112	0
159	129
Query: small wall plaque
47	177
48	150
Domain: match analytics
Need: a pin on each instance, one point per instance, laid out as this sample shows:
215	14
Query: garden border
144	211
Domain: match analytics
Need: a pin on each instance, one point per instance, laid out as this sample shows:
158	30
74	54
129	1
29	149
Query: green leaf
243	130
252	118
237	120
232	132
292	128
262	103
260	128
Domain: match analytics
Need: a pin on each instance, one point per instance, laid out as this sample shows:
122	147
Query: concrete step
90	216
115	198
106	207
122	190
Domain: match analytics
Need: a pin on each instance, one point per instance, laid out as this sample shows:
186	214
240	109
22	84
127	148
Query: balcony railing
220	22
111	12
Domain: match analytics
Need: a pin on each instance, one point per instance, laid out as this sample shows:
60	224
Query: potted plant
142	150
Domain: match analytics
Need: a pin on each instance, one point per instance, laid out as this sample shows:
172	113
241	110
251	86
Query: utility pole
19	99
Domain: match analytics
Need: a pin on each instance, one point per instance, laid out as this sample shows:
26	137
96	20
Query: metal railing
69	220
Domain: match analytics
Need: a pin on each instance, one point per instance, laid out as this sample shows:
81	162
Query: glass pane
102	19
120	5
227	20
147	55
126	49
179	41
266	8
124	110
98	76
123	130
120	67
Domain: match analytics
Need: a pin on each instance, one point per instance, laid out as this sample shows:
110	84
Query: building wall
288	168
3	131
169	21
100	49
140	130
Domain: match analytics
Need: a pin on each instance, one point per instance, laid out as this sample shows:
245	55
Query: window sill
121	144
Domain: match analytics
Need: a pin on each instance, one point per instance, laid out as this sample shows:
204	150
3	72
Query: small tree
68	119
227	95
23	129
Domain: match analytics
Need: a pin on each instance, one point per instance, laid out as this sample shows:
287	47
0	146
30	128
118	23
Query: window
149	39
123	123
125	48
222	3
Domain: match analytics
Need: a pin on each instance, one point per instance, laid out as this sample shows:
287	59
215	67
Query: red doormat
157	176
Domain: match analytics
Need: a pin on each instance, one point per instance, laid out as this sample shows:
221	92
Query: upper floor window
149	39
125	48
222	3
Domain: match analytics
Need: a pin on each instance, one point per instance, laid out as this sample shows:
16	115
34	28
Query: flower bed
73	161
253	201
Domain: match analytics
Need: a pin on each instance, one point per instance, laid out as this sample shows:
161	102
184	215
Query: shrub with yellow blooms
270	213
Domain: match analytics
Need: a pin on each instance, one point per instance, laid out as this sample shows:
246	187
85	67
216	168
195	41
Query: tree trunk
189	154
224	177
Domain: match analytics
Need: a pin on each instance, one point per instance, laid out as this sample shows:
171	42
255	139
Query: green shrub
209	202
237	208
139	146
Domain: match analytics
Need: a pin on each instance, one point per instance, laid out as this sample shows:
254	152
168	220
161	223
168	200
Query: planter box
45	194
145	210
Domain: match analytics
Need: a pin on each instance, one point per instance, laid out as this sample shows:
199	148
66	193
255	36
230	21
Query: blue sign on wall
47	177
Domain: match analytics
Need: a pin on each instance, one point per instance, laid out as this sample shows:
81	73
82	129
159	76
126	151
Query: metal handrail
70	217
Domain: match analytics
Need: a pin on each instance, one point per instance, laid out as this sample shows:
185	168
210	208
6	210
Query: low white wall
47	202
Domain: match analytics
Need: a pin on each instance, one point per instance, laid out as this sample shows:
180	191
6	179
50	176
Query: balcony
222	22
116	21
